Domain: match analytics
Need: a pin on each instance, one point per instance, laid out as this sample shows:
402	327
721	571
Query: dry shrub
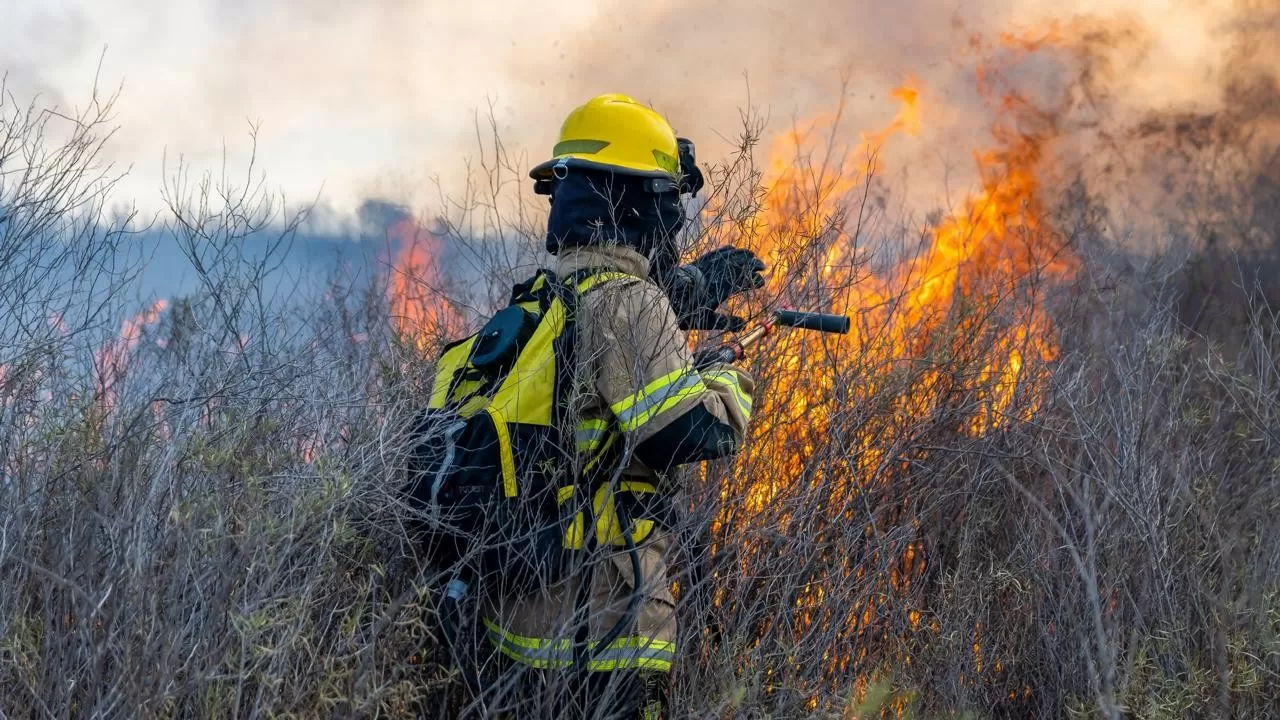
216	534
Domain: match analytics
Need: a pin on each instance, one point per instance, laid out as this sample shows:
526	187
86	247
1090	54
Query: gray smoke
360	100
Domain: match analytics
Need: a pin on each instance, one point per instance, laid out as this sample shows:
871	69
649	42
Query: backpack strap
536	289
576	286
589	279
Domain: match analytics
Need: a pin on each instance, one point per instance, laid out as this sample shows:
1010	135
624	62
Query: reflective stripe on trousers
626	653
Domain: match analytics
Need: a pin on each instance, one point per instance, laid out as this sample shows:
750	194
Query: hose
633	603
582	651
450	614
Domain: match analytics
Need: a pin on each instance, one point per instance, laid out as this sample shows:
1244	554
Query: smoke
353	99
359	100
1177	130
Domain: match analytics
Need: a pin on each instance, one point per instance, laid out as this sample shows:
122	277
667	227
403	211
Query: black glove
711	320
697	289
707	357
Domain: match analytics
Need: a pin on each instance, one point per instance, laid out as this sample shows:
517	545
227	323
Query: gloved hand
718	355
698	289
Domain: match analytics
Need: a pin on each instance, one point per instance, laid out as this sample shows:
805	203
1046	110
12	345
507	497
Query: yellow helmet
615	132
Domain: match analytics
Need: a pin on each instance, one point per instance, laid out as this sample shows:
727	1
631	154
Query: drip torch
736	349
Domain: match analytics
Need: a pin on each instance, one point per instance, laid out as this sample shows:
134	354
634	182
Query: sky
383	99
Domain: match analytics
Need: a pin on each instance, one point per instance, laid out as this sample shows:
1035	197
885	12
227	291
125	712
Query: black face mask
600	208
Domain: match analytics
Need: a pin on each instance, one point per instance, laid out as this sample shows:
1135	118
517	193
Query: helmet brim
544	170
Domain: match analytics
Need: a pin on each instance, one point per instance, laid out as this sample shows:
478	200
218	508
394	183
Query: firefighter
615	185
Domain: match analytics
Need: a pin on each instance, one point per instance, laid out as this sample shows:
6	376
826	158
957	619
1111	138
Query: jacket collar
612	257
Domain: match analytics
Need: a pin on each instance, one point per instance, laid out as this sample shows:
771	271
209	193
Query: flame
971	295
962	317
992	248
112	359
792	186
419	309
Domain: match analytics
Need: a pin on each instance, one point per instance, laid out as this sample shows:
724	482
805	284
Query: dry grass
215	533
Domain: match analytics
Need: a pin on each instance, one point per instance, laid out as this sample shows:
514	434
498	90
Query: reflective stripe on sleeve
658	397
729	380
590	434
632	652
593	440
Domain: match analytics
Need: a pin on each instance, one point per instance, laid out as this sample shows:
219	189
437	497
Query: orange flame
418	306
112	359
992	247
964	314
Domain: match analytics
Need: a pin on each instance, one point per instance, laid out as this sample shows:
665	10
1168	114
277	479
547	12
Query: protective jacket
641	408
